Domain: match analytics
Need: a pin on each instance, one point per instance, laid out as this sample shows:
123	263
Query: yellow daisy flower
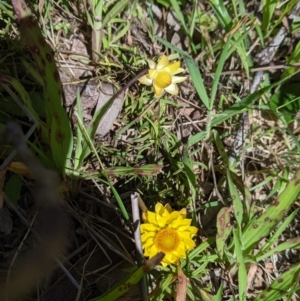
167	231
161	76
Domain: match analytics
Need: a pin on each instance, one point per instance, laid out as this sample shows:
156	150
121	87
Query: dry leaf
106	123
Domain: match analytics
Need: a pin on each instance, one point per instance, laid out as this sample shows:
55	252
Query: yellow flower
167	231
161	76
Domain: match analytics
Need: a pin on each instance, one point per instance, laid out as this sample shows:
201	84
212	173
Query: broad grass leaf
224	228
121	288
281	285
262	226
244	103
286	101
60	134
242	272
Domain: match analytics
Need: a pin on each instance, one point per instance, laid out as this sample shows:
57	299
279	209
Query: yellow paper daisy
167	231
162	76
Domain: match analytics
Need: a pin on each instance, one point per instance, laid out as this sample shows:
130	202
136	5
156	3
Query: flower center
167	240
162	79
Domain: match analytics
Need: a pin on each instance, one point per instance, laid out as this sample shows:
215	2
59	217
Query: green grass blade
61	140
179	15
78	158
293	243
224	229
236	200
224	55
281	285
242	272
90	145
193	70
196	138
262	226
276	235
221	13
269	7
123	287
115	10
218	296
243	104
17	86
189	171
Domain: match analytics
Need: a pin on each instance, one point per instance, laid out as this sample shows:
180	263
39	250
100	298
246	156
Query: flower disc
167	240
169	232
162	79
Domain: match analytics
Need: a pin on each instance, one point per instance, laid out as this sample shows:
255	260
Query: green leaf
60	136
244	103
262	226
262	252
293	243
224	228
189	171
193	70
78	159
268	8
122	287
115	10
280	285
286	101
242	272
236	200
218	296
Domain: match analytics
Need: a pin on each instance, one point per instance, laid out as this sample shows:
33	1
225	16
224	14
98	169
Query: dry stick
52	220
255	69
265	57
130	83
137	238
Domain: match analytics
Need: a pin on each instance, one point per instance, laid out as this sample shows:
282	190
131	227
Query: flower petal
151	218
161	221
178	79
193	230
172	89
183	212
181	252
158	91
164	61
144	216
189	243
171	258
159	208
172	68
145	80
152	73
152	64
146	235
182	223
179	70
147	227
167	231
168	208
148	243
153	251
172	220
